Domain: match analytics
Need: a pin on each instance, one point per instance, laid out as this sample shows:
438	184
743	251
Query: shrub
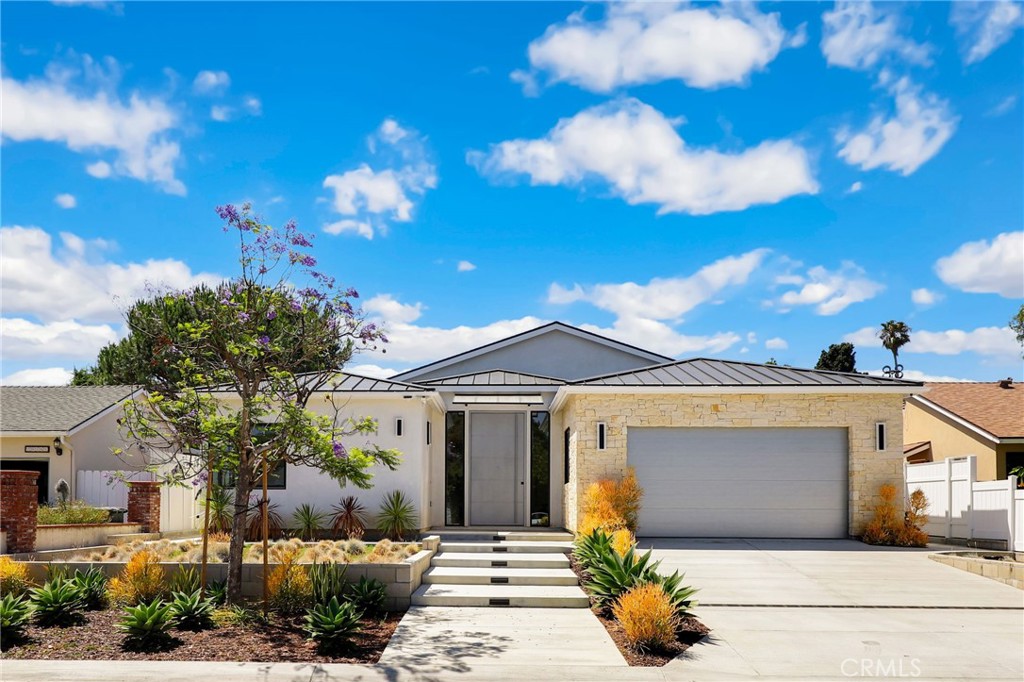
254	524
623	541
190	612
333	622
613	575
13	577
349	518
57	602
71	512
611	505
368	595
626	496
147	621
288	584
15	612
397	515
222	509
185	580
92	587
891	526
142	580
308	520
355	547
588	549
326	582
648	618
218	592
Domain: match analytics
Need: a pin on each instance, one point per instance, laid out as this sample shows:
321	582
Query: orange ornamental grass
622	541
141	580
890	525
611	505
648	618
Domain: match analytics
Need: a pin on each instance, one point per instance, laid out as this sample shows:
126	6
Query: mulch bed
690	632
280	640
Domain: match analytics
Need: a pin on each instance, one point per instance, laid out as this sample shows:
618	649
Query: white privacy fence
960	507
179	509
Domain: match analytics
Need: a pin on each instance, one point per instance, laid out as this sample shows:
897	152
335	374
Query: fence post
1011	511
972	476
949	496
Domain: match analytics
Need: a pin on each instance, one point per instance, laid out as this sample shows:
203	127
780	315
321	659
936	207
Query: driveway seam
858	606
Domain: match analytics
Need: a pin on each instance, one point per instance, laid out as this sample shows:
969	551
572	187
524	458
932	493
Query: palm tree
894	336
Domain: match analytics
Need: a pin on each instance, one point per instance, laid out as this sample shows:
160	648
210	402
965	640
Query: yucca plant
613	575
222	509
147	621
190	612
57	602
92	587
185	580
349	518
327	581
254	524
308	519
333	622
588	549
369	595
397	515
15	612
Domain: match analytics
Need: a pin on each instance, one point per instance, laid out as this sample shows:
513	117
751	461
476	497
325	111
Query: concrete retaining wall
75	535
1009	572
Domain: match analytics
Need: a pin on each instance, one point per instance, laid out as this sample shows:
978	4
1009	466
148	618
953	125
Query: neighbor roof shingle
54	408
997	410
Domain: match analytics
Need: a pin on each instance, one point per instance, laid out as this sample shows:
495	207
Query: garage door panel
739	482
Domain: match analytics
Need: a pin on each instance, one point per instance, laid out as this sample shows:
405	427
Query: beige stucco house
958	419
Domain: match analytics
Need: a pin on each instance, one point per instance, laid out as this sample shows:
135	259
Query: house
513	432
959	419
59	431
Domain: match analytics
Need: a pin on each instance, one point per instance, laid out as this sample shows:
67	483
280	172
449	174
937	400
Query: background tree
236	367
838	357
1017	325
894	335
771	361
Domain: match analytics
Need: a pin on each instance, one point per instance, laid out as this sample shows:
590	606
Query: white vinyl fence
179	509
961	507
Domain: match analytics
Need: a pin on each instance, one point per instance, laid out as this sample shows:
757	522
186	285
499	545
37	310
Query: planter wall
75	535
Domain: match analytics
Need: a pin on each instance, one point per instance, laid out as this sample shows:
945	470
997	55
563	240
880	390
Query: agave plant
332	622
308	520
368	595
589	549
397	515
680	595
57	602
218	592
146	621
613	575
190	612
349	518
92	588
185	580
14	615
327	581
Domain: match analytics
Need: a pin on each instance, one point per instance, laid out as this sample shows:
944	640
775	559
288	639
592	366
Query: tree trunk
243	487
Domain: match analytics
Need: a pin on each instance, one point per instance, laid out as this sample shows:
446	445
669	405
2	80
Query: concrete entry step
484	535
499	576
512	547
549	596
498	560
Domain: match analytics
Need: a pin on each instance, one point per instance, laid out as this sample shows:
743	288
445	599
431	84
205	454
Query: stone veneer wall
858	413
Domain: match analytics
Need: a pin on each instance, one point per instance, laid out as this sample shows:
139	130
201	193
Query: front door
496	468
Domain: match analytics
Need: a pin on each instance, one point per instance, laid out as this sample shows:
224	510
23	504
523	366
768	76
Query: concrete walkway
835	609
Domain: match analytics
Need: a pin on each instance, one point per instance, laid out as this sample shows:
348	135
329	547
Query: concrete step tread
540	596
513	560
511	547
513	576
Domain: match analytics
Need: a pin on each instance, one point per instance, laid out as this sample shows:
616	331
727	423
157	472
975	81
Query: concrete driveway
836	609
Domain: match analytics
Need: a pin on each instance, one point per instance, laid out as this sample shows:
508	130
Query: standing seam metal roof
495	377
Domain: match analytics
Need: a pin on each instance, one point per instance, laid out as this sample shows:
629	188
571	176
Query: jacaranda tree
237	365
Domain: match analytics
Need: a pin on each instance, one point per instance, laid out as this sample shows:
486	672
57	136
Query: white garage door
741	482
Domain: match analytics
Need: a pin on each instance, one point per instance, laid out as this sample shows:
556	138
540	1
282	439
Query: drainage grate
499	549
499	581
498	602
499	564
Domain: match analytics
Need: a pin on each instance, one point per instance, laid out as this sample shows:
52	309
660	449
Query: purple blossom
200	479
295	305
339	450
264	340
308	261
271	314
243	317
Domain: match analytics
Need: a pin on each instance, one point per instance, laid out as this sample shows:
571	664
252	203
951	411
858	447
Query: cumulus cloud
465	266
387	308
80	108
985	267
915	132
662	338
211	82
636	43
637	151
220	113
776	343
983	27
65	200
829	291
918	375
48	376
859	35
74	281
855	187
997	342
369	198
26	339
925	297
371	370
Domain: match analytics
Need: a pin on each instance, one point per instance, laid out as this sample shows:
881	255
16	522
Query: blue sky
736	181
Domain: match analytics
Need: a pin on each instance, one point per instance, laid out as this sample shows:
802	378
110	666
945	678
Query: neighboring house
513	432
60	430
960	419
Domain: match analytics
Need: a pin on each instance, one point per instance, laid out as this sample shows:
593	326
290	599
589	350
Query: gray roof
495	377
711	372
355	382
55	408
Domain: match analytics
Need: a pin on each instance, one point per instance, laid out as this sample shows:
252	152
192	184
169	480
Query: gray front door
496	459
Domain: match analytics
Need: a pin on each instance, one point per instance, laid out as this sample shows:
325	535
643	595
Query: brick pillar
19	509
144	505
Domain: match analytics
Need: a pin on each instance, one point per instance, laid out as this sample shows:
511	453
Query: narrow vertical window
455	469
540	469
602	435
880	436
429	431
399	426
565	453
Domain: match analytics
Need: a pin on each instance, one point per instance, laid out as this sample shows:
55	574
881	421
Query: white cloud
413	344
855	187
982	27
74	281
465	266
65	200
664	298
1005	106
830	291
369	199
984	267
211	82
26	339
371	370
918	375
998	342
776	343
253	105
921	124
219	112
858	35
137	131
638	152
385	307
100	169
751	337
49	376
925	297
661	338
636	43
